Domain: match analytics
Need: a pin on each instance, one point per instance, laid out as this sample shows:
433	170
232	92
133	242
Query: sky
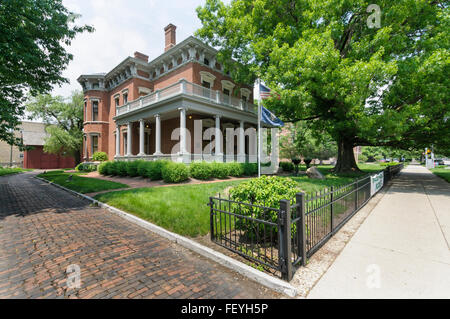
121	28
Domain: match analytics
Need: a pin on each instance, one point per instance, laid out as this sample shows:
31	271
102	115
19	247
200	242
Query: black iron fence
281	239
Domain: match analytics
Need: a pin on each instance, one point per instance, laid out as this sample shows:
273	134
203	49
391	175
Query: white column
218	141
158	135
117	140
241	152
129	132
141	138
86	157
182	130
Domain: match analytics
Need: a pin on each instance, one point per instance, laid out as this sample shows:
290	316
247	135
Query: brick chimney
170	36
141	56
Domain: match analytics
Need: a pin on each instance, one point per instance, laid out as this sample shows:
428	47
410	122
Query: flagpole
259	128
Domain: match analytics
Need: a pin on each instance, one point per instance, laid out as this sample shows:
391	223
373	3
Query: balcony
188	89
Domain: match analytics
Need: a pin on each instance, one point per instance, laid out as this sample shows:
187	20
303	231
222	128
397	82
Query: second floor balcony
184	87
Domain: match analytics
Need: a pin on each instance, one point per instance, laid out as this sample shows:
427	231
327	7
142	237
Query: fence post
301	226
331	208
211	218
284	224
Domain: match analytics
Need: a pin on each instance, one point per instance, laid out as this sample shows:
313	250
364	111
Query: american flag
264	92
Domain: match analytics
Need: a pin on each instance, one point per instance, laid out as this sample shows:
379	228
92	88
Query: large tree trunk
346	159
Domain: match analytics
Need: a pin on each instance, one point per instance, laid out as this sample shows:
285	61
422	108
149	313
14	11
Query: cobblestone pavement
43	230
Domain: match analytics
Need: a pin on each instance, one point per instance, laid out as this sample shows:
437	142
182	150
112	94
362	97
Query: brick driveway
43	230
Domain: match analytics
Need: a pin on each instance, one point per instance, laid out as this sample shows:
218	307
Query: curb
243	269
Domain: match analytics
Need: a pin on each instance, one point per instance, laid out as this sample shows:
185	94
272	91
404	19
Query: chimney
170	36
141	56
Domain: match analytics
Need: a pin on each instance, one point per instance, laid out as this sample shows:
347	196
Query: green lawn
80	184
442	172
8	170
181	209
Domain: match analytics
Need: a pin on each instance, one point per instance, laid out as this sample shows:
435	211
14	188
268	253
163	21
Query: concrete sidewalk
402	249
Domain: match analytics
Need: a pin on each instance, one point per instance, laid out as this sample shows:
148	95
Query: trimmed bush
219	170
174	172
104	167
250	169
154	169
122	168
287	166
235	169
85	167
201	170
132	168
99	157
142	168
114	168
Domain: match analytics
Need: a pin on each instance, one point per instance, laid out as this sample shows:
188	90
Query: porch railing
190	89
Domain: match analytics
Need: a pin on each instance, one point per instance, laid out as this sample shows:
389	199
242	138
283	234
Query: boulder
313	172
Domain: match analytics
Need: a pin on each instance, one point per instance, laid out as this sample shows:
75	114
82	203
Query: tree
64	122
33	39
301	142
364	85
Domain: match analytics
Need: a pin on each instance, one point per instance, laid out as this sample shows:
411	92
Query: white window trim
207	77
142	89
245	92
228	85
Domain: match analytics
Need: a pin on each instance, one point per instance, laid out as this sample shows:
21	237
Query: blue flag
269	118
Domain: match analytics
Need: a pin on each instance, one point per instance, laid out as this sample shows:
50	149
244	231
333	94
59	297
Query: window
117	101
226	96
125	98
206	61
94	110
94	143
206	91
85	110
95	86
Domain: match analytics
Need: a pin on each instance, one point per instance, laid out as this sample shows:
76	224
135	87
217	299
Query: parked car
439	162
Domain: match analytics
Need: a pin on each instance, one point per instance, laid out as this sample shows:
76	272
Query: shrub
174	172
132	168
122	168
154	169
104	168
201	170
220	170
250	169
142	168
265	191
99	157
114	168
86	167
235	169
287	166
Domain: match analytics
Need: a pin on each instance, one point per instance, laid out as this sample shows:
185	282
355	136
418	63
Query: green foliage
104	168
175	172
263	191
122	168
220	170
201	170
86	167
64	121
384	86
33	41
114	168
132	168
99	157
235	169
287	166
250	169
10	170
154	169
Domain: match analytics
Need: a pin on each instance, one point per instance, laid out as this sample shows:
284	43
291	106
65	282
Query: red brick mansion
133	110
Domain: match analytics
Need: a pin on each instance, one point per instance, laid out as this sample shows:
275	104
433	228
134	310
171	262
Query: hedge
201	170
287	166
99	157
175	172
